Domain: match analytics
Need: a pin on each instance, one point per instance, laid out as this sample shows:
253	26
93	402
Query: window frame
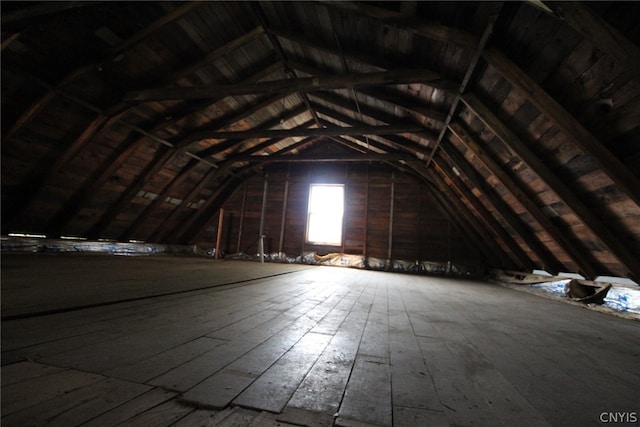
310	213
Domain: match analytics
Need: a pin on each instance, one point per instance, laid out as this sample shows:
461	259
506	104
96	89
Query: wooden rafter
467	78
516	253
311	158
598	31
141	35
624	179
585	264
459	218
476	223
588	218
163	232
500	207
102	122
431	30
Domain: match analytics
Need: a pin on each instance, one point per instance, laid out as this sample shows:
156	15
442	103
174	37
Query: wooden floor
102	341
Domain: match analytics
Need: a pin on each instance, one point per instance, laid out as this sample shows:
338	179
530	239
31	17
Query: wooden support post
284	215
242	209
391	206
366	217
262	212
219	232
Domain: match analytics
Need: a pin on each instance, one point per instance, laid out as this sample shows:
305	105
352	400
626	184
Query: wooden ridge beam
404	102
624	179
585	263
398	99
588	218
393	139
515	252
395	142
304	84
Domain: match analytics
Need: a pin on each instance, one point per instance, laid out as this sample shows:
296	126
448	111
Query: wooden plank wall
420	231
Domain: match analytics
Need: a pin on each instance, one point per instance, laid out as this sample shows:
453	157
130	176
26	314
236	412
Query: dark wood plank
151	367
132	408
78	405
24	371
38	389
161	415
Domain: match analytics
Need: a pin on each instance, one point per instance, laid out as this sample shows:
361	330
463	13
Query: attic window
324	220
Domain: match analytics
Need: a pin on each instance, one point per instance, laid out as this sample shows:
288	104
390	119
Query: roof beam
198	222
301	158
100	123
598	31
429	30
588	218
626	181
470	234
584	263
304	84
467	78
475	222
110	55
363	109
335	131
486	244
500	207
515	252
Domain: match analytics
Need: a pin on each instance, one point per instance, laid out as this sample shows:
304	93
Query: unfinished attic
484	141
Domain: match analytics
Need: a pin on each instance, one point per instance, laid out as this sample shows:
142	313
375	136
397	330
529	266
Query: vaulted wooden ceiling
524	117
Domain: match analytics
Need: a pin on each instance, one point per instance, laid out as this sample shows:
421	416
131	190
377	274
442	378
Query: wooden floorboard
242	343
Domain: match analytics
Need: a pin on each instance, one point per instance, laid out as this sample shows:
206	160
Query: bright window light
326	207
